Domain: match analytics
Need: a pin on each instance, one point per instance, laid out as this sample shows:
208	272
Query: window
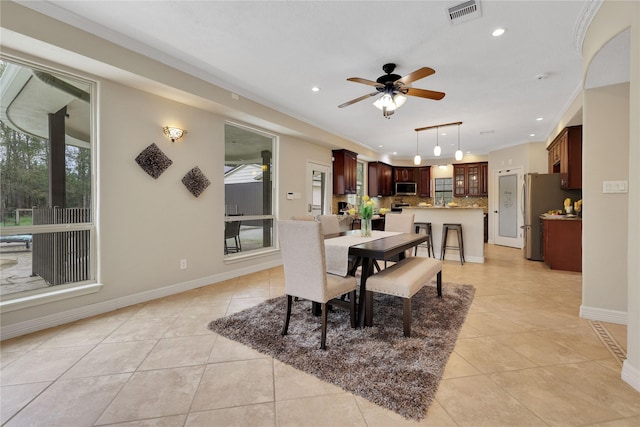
248	188
46	186
443	192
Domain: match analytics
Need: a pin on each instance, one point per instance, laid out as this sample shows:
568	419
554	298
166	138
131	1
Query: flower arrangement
366	208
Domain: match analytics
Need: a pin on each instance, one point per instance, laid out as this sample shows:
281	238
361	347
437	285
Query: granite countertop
442	207
561	217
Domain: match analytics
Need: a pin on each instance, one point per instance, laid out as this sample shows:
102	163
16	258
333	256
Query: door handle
309	207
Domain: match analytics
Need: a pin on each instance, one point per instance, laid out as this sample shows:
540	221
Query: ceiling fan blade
364	81
423	93
353	101
416	75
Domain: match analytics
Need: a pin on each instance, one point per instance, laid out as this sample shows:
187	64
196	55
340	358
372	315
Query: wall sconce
173	133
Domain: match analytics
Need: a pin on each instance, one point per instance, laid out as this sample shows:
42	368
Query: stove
397	207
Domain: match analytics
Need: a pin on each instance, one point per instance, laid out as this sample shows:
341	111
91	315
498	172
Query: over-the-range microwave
406	188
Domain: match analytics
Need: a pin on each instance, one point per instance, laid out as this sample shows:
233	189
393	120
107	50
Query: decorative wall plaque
195	181
153	161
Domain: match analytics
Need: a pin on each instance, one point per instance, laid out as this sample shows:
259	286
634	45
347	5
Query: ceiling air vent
464	12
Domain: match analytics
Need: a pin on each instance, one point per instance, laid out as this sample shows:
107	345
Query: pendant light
417	159
459	154
437	150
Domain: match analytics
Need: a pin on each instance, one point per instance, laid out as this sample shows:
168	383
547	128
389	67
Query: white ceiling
274	52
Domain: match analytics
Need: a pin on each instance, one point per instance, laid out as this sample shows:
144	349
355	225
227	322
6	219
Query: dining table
383	246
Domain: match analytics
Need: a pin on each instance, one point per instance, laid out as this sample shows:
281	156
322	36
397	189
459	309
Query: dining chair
330	224
303	256
402	223
232	231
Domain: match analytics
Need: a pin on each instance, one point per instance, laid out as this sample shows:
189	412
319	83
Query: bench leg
439	283
406	316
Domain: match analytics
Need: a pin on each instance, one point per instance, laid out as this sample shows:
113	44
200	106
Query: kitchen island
472	220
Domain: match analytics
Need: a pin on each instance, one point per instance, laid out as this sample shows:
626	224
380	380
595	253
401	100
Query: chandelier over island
437	150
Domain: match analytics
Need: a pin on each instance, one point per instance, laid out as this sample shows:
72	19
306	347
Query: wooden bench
404	279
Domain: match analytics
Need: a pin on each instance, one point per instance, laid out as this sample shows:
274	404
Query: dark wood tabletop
384	248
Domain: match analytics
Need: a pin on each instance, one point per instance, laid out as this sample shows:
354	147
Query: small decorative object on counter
567	205
366	213
577	207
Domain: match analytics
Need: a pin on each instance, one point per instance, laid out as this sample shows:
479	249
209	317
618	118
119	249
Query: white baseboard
611	316
631	375
38	324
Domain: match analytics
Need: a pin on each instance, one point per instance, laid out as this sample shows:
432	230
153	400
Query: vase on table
365	227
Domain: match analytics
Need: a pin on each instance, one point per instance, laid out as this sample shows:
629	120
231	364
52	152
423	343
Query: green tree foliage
24	171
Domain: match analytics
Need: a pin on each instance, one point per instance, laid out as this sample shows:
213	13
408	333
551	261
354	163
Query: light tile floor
523	357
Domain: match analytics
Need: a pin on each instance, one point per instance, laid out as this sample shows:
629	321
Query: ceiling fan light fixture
417	159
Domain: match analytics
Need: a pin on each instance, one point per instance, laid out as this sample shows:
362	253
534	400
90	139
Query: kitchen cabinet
562	243
424	182
406	174
380	179
345	169
565	157
471	179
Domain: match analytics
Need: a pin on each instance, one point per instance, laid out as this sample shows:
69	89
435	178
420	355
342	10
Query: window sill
21	303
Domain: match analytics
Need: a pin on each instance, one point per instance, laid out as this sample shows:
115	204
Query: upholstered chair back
330	224
402	223
302	248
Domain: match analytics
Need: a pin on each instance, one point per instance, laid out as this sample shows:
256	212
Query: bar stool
460	248
426	226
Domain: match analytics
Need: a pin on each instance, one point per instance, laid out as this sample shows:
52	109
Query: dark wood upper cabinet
471	179
345	171
404	174
424	181
380	179
565	157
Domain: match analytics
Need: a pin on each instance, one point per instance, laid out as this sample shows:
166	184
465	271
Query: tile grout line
609	342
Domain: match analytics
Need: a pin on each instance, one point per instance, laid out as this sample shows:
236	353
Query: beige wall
612	18
605	150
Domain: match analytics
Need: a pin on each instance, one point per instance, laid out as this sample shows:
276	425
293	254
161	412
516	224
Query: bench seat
404	279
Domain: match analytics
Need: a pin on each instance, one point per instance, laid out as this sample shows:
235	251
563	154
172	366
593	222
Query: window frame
30	298
275	144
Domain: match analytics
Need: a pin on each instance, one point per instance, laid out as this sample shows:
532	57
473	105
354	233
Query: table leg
365	312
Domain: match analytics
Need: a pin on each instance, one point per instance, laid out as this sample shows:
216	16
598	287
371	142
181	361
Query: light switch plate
615	186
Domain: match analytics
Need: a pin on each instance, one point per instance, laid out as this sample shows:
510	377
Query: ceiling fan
394	89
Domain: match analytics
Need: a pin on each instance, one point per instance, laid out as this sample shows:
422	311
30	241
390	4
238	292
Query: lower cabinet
563	244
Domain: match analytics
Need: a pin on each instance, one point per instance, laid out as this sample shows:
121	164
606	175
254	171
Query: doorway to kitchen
318	194
507	210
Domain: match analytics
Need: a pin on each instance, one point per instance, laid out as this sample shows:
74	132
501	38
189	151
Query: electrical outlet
183	264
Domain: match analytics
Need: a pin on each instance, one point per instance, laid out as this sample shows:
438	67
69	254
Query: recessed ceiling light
498	32
315	89
532	134
443	134
540	119
379	146
395	152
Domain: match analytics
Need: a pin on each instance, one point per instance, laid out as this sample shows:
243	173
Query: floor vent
464	12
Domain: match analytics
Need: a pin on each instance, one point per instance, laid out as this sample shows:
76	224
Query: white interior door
319	189
507	211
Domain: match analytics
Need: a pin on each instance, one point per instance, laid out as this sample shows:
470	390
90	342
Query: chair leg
287	316
352	307
439	284
323	338
406	316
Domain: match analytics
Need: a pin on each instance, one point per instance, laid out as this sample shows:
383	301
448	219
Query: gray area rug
377	363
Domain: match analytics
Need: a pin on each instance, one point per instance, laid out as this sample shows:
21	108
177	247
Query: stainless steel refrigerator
541	193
